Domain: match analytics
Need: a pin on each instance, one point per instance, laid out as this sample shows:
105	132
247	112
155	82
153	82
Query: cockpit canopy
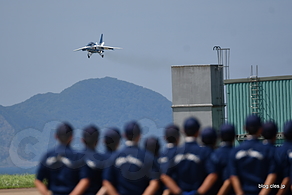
91	44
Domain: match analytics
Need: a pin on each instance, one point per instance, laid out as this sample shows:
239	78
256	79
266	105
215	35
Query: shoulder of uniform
46	156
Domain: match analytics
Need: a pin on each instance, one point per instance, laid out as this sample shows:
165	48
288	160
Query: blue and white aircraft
96	48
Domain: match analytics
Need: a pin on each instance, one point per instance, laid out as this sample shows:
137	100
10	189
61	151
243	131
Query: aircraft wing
82	48
108	47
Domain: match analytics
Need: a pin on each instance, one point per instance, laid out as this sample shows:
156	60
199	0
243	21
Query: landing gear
89	54
100	53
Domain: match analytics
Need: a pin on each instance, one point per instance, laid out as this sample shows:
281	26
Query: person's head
227	132
90	136
270	130
152	145
172	134
288	130
253	124
209	136
191	126
112	139
64	133
132	131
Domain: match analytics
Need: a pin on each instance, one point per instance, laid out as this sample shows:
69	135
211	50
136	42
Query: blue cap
152	145
191	126
209	136
112	137
171	133
253	123
270	130
288	130
132	130
90	134
227	132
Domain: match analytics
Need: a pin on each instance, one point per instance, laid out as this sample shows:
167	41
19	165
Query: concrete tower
197	90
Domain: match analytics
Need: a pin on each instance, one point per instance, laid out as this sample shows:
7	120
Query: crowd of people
206	162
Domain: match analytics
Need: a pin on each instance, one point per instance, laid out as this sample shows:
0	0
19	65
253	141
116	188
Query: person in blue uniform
152	145
269	134
93	160
217	166
62	167
111	142
172	138
288	132
252	165
284	158
209	139
188	165
134	170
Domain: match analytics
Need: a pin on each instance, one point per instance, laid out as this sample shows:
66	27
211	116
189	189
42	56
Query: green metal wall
275	101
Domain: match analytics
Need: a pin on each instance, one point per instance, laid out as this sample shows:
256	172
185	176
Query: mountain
105	102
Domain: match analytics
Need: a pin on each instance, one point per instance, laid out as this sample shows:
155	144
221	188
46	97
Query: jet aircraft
96	48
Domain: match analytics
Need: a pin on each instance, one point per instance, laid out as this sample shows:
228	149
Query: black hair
64	132
172	134
288	130
270	130
112	139
152	145
90	136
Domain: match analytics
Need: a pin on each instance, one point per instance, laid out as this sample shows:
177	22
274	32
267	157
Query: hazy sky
38	38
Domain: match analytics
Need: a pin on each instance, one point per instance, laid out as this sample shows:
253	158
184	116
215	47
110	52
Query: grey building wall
197	90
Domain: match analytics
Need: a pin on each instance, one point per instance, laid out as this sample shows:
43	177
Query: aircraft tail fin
101	40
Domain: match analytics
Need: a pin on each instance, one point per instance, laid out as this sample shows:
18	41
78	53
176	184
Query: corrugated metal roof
247	80
274	101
